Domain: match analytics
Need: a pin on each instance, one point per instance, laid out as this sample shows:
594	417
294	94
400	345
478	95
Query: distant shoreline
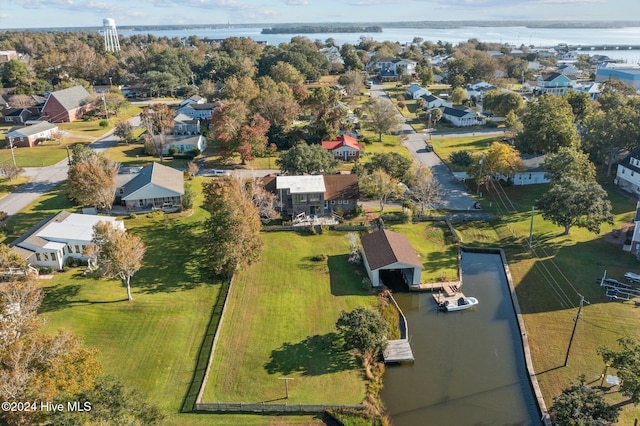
357	26
318	29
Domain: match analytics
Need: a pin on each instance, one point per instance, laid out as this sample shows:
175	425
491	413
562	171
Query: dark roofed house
15	115
628	173
341	193
66	105
386	252
153	186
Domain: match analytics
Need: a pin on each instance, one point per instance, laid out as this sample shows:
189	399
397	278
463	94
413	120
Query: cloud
297	2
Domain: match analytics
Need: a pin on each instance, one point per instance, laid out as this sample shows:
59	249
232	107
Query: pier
399	350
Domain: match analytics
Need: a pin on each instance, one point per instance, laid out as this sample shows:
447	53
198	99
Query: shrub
401	105
173	151
461	158
195	152
3	216
320	258
324	229
312	230
103	123
132	215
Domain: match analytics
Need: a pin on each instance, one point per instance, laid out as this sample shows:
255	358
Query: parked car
428	147
221	173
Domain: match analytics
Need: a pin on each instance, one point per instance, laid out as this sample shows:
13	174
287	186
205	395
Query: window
529	176
314	197
631	173
339	201
38	257
77	249
333	201
345	202
45	257
53	256
623	170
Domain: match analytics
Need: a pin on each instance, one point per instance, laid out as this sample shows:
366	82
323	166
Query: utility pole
575	325
531	228
104	101
12	154
286	385
480	175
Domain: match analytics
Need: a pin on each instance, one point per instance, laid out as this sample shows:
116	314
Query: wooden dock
440	297
398	351
450	288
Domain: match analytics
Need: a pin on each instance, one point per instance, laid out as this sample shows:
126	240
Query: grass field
444	147
7	186
281	322
44	154
550	280
134	155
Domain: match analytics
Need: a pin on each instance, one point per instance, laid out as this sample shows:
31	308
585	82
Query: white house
185	125
432	101
198	111
415	91
52	241
463	117
590	88
195	99
628	173
28	136
634	247
184	143
477	90
533	173
386	254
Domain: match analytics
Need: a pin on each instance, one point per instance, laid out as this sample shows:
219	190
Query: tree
232	233
14	73
11	260
363	330
353	82
264	201
111	403
239	134
117	253
158	120
115	101
502	103
547	125
242	89
581	405
307	159
569	162
572	202
395	165
326	113
458	95
92	182
124	130
378	185
512	123
383	117
627	362
11	171
192	169
580	102
286	73
35	363
425	191
500	159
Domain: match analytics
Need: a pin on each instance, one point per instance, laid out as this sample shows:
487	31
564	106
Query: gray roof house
66	105
59	237
153	186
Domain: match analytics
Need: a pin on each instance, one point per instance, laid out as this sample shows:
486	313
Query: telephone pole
531	229
575	325
286	385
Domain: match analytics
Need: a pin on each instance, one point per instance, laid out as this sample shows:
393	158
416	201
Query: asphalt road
455	195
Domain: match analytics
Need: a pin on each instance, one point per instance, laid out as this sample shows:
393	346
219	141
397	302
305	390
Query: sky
89	13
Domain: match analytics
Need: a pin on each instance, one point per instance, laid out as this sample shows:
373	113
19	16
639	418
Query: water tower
111	43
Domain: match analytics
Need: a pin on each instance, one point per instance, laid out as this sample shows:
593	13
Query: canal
469	366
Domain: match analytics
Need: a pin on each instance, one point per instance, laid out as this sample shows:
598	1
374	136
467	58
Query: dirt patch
617	236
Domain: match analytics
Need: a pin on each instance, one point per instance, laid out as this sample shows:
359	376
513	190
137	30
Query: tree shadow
313	356
60	297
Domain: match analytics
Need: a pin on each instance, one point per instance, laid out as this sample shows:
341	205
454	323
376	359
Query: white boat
632	277
458	304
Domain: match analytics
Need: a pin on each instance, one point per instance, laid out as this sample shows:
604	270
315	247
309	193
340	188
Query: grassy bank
550	280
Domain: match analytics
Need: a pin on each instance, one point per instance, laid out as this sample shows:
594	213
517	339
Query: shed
385	250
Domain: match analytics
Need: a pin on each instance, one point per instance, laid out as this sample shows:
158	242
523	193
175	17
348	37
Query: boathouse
385	252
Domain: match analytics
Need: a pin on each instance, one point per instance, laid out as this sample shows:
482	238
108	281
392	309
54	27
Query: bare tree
424	190
118	253
264	200
158	120
11	171
92	182
380	186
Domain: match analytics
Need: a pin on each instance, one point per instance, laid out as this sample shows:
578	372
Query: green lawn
134	155
280	321
444	147
44	154
7	186
549	281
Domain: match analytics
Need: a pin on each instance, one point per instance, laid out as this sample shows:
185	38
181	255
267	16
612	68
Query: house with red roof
344	148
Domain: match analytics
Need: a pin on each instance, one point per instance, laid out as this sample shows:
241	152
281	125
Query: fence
261	407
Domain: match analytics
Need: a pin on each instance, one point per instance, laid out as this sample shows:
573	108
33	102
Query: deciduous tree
626	361
378	185
364	330
500	159
547	125
92	181
383	117
124	130
238	133
502	103
425	191
118	253
158	120
572	202
307	159
395	165
569	162
10	171
581	405
232	233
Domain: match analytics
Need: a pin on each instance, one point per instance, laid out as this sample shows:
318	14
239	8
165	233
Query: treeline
313	29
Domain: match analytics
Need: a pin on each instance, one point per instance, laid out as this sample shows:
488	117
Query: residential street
455	195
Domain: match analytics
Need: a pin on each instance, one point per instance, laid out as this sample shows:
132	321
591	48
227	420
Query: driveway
455	195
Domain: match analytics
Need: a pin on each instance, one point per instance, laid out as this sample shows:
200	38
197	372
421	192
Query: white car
221	173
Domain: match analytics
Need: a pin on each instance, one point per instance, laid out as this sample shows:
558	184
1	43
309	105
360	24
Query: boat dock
450	288
398	351
441	298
